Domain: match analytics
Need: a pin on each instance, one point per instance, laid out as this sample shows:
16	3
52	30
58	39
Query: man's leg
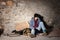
39	27
33	31
43	27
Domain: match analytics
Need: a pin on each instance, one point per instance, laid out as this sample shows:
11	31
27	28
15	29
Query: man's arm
31	23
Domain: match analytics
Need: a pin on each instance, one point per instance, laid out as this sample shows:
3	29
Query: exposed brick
9	3
22	25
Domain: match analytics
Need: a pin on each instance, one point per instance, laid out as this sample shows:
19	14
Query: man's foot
32	36
44	34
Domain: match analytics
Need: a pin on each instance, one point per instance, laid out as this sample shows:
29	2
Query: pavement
52	36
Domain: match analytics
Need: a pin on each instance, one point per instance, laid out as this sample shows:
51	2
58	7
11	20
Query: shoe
32	36
44	34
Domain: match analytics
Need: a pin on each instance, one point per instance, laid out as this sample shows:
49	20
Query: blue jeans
41	26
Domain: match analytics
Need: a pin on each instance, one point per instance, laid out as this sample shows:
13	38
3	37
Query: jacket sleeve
31	24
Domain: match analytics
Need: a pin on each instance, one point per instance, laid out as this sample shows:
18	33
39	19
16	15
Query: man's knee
32	31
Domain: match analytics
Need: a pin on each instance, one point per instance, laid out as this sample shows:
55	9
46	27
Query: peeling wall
24	11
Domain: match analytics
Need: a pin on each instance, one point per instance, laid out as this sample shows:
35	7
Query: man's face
36	18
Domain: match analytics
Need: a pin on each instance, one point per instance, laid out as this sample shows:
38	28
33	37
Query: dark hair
39	16
35	15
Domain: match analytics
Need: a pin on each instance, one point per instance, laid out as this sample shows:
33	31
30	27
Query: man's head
35	16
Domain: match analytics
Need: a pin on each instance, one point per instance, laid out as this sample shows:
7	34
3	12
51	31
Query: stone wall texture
23	11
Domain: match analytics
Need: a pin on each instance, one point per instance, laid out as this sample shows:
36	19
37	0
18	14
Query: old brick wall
24	10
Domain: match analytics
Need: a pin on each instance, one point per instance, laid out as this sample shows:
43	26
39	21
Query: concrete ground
28	38
54	35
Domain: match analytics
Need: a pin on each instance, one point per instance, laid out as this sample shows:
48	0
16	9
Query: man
36	23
